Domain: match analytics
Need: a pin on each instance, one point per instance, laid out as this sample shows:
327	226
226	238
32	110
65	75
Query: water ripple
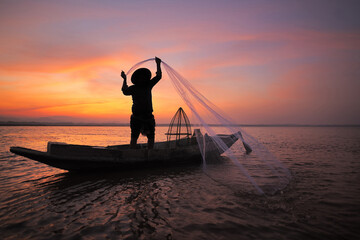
321	201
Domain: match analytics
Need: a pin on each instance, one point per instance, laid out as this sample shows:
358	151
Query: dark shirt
141	96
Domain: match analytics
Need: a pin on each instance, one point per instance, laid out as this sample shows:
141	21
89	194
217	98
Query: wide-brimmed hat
141	75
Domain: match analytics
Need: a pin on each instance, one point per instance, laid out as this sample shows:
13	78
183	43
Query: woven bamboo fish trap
179	127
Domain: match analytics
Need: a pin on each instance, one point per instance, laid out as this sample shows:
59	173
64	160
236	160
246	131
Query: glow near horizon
261	62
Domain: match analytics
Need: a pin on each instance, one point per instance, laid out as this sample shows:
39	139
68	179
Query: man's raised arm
125	87
158	76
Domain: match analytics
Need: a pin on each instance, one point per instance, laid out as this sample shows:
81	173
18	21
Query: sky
260	62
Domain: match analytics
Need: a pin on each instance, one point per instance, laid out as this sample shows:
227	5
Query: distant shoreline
69	124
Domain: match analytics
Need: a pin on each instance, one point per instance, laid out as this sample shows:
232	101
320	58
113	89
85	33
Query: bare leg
133	141
150	143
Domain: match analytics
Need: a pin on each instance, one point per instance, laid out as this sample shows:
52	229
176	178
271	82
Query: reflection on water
121	204
321	202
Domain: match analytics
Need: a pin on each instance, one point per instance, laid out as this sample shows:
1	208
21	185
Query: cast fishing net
259	166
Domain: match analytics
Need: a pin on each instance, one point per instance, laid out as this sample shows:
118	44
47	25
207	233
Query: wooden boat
84	158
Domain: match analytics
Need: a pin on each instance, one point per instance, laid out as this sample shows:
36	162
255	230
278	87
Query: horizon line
79	124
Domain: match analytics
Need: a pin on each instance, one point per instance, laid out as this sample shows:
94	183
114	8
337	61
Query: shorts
144	125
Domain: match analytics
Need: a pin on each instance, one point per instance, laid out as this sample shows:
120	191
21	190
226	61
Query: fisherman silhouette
142	119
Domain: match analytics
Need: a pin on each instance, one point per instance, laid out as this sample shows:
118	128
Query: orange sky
261	62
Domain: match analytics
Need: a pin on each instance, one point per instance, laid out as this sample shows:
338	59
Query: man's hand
123	75
157	60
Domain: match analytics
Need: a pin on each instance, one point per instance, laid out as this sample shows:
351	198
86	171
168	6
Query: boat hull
91	158
112	159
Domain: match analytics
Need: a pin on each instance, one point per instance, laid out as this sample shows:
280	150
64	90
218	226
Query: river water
320	202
